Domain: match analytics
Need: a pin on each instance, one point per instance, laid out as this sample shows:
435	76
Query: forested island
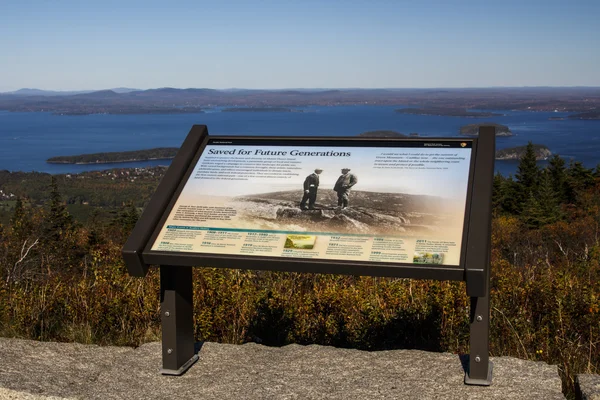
473	129
516	153
447	112
161	153
259	109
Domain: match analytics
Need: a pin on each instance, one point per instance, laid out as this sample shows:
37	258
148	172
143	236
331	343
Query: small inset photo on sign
428	258
300	242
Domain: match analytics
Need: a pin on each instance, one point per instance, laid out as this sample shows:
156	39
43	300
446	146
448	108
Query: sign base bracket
182	369
480	382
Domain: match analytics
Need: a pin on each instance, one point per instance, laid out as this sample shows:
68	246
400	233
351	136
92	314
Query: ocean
27	140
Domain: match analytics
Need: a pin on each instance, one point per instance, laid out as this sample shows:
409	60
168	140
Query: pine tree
597	172
532	214
579	179
548	199
95	236
511	202
498	193
558	175
59	222
131	217
528	175
19	221
126	219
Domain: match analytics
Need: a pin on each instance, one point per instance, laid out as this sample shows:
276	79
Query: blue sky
70	45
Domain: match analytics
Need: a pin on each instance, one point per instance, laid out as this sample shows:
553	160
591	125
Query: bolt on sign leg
176	294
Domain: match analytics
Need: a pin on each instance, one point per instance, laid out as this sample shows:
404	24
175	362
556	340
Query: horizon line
310	88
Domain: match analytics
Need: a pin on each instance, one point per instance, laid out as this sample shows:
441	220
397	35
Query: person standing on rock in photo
343	186
311	184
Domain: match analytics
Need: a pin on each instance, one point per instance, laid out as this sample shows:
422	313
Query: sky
82	45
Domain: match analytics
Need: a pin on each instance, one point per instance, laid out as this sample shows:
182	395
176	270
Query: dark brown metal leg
176	309
480	367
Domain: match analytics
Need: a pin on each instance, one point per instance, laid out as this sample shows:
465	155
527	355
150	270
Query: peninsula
161	153
473	129
592	115
516	153
447	112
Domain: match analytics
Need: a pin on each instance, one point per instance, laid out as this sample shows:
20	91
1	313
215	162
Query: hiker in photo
343	186
311	184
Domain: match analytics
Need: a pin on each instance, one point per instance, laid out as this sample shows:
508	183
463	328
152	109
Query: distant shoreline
448	112
582	102
110	162
160	153
259	109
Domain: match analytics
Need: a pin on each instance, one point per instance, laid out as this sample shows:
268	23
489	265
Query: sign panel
400	201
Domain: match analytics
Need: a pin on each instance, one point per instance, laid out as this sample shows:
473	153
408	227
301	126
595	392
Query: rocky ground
37	370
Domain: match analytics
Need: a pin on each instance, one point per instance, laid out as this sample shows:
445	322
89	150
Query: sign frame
175	268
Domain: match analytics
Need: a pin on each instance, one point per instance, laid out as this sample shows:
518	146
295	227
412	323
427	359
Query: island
448	112
516	153
161	153
383	133
259	109
590	115
473	129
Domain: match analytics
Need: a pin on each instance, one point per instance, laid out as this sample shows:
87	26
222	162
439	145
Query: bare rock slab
253	371
588	386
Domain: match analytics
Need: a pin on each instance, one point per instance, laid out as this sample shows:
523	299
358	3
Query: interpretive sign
406	202
404	207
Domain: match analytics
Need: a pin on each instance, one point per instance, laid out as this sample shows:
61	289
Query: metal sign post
478	266
190	219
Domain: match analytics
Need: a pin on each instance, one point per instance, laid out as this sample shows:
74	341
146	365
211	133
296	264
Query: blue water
28	139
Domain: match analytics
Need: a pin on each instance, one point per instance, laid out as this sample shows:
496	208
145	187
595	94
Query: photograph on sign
401	203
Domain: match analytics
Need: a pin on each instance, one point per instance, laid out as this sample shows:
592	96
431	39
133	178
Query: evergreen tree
511	202
95	236
579	179
597	172
548	199
498	193
532	213
527	176
558	175
131	217
19	222
126	219
59	222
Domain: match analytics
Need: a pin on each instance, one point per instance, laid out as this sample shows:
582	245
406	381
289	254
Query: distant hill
453	102
40	92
